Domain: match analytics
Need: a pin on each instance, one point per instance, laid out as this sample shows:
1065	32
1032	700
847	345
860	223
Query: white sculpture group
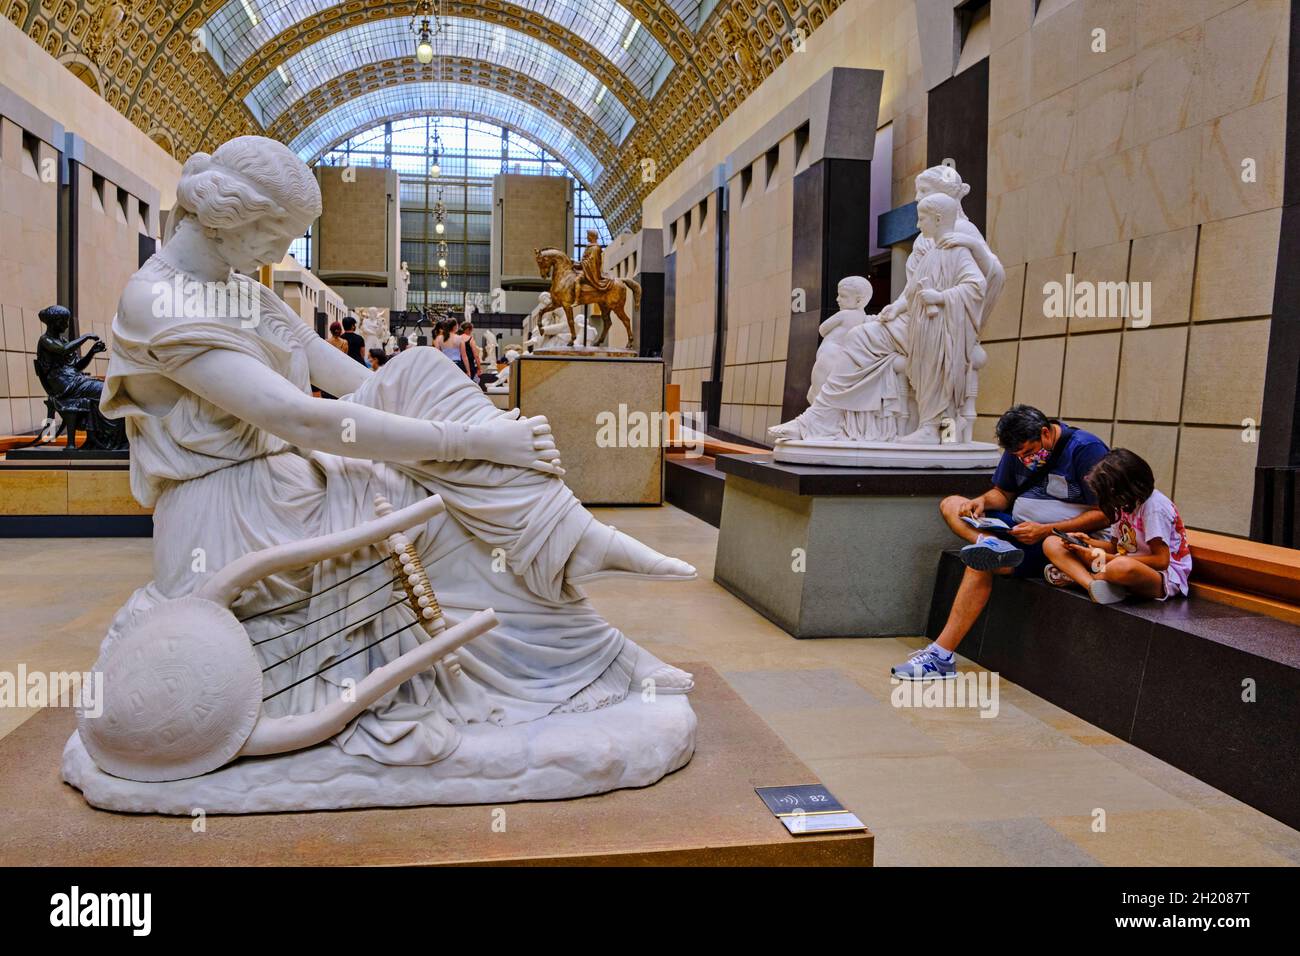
283	613
372	323
899	388
540	334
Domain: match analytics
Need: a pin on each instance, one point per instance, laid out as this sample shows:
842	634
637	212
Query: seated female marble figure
234	454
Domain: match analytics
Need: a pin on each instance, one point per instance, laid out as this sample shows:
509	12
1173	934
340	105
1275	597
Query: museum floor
937	786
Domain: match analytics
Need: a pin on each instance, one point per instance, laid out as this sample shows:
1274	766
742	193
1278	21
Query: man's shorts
1034	562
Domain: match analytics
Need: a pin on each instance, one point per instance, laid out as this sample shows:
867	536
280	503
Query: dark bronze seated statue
72	395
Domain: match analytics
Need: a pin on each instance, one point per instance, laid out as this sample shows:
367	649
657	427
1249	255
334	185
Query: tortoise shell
182	689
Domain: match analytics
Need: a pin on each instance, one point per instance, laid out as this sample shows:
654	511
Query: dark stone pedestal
835	552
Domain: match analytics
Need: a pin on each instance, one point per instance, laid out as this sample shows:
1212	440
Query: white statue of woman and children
898	389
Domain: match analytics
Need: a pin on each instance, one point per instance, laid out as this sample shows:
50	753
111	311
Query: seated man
1037	488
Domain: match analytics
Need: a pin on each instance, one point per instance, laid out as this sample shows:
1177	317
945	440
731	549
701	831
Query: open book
992	525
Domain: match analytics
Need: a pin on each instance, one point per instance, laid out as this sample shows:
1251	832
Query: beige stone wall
1127	165
694	241
108	249
761	223
867	34
42	81
28	253
353	226
535	213
109	224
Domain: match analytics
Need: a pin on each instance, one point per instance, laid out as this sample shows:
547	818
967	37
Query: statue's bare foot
925	435
786	431
664	678
604	551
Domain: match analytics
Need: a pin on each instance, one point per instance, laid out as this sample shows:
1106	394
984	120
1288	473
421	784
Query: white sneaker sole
1103	592
908	677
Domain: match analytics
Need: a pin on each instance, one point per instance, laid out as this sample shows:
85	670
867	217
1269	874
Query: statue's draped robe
221	487
593	274
939	347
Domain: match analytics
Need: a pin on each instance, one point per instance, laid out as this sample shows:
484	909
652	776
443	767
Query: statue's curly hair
245	179
945	179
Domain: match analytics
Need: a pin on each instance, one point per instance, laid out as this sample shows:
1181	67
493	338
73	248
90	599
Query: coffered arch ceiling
182	69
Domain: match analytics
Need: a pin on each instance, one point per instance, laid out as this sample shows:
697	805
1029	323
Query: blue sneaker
990	553
925	664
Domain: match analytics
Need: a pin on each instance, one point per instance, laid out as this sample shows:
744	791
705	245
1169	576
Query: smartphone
1070	539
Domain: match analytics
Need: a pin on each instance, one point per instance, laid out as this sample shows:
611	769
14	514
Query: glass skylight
378	40
446	99
242	27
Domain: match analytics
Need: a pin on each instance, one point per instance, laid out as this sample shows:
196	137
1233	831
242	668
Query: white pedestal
585	351
879	454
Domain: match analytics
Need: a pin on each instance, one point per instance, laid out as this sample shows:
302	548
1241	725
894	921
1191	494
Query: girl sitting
1146	554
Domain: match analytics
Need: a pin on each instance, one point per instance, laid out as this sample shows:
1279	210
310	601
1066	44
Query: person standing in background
336	336
356	344
472	353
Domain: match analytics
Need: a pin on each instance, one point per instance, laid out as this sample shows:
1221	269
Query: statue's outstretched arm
253	393
331	368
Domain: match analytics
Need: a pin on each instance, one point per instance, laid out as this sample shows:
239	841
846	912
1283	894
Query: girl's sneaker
1103	592
1056	577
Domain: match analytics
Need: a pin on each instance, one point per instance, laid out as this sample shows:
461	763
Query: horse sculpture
567	290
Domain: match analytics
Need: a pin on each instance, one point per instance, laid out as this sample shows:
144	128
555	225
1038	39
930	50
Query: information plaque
809	808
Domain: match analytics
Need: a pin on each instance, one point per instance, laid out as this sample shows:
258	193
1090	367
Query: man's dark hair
1020	424
349	324
402	342
1122	481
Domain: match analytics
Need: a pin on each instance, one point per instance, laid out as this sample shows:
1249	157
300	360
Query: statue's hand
98	347
931	297
522	442
954	240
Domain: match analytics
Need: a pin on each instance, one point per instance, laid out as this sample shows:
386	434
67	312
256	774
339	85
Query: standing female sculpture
235	455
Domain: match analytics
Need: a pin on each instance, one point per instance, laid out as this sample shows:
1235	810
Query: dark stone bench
1167	677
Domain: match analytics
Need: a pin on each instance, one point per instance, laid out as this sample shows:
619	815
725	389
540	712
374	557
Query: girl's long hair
1122	481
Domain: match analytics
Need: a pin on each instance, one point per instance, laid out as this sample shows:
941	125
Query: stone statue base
578	351
632	744
880	454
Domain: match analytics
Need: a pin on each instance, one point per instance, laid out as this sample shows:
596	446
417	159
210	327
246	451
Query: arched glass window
469	153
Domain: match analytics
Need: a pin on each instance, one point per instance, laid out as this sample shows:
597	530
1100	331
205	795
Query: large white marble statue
489	349
314	618
898	389
402	293
374	327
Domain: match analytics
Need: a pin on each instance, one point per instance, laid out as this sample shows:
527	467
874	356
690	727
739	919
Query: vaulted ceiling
601	84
